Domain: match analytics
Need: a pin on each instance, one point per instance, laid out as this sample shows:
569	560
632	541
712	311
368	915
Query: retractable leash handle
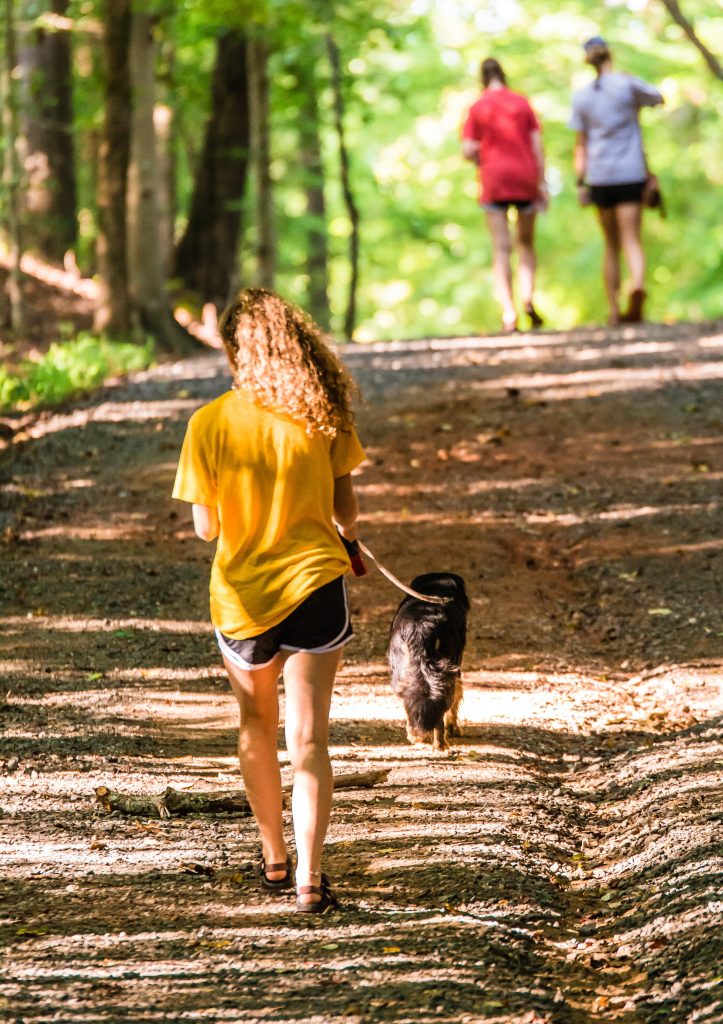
352	549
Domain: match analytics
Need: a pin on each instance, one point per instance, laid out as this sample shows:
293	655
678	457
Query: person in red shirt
502	136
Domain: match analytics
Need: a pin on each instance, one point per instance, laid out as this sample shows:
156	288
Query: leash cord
430	598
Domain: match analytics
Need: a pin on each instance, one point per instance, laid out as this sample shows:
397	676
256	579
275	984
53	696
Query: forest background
337	176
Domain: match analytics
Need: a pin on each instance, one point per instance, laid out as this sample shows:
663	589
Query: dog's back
425	651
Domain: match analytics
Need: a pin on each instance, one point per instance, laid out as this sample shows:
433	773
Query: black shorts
607	196
321	623
503	205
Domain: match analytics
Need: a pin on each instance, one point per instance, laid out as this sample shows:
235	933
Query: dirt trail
562	864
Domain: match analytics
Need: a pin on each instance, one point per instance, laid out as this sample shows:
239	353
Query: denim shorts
321	623
523	205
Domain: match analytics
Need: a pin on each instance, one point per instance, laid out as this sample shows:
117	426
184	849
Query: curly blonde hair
279	358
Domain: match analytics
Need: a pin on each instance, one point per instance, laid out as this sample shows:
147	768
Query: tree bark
265	247
50	222
113	313
352	209
145	268
673	9
310	158
207	252
11	168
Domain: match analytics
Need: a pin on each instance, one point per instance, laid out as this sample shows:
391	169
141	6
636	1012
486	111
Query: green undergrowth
70	368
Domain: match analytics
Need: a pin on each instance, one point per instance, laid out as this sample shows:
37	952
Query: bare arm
539	154
470	150
580	157
346	506
580	162
205	522
537	149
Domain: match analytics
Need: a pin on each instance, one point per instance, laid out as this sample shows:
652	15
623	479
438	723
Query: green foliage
70	368
425	247
411	72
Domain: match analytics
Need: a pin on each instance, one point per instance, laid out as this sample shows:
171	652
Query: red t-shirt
502	122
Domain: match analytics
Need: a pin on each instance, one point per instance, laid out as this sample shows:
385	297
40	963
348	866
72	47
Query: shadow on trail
574	482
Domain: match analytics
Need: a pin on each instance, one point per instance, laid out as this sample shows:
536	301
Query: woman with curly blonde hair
267	468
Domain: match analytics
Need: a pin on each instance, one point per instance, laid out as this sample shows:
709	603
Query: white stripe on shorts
333	645
235	658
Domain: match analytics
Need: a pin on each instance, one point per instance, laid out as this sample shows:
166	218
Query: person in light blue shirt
612	171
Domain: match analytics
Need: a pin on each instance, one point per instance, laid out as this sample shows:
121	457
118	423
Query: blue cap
594	41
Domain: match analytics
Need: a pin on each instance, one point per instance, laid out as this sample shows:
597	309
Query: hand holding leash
352	549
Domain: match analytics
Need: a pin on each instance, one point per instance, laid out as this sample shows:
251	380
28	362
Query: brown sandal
535	318
634	313
328	900
275	884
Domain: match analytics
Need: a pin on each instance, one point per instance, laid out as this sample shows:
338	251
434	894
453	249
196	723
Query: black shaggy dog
425	657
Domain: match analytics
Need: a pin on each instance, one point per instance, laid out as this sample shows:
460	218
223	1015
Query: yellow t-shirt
273	487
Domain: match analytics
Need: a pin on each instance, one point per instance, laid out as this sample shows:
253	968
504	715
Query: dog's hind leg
440	740
451	718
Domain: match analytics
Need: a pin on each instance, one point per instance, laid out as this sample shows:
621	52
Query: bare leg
527	260
309	680
257	695
501	268
611	261
630	222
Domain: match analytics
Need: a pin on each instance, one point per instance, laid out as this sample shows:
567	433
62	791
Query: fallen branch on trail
174	803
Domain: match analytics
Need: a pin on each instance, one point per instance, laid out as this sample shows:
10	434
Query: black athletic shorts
321	623
607	196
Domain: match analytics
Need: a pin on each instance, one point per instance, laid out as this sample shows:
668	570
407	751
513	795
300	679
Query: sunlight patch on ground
207	711
111	412
709	545
640	348
400	490
711	341
487	486
621	513
78	624
126	531
515	680
369	668
586	384
170	674
672	924
507	706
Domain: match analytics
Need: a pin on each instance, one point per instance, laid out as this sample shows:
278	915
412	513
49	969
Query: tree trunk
165	184
310	158
145	267
11	168
673	9
258	57
352	210
113	313
50	222
164	119
207	252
